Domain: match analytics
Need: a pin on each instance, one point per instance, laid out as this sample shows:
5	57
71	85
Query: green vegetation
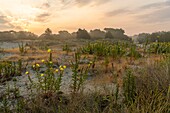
140	87
116	50
66	48
50	80
160	48
9	69
162	36
22	48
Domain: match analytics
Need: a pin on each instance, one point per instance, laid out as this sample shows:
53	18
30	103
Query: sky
134	16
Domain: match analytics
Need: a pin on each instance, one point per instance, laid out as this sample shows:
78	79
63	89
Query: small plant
160	47
50	80
9	69
106	63
129	87
79	74
22	48
50	52
5	108
133	53
145	45
1	50
66	48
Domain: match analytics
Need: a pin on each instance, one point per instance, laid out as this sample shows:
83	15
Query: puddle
3	55
9	45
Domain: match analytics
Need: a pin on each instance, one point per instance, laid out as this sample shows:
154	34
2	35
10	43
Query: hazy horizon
131	15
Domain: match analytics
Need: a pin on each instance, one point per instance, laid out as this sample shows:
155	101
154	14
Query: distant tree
161	36
47	34
74	34
97	33
109	35
48	31
25	35
118	33
64	34
13	35
83	34
115	31
6	35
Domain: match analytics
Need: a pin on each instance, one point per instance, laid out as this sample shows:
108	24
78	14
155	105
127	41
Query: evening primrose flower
49	50
91	62
33	66
43	61
64	67
42	74
26	72
38	65
61	69
56	70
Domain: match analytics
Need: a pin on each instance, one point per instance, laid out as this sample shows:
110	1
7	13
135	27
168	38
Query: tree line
162	36
13	35
107	33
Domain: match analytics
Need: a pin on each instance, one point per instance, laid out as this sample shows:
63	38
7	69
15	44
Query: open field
84	76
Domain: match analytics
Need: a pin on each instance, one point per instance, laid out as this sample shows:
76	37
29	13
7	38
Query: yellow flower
61	69
91	62
33	66
50	62
89	65
64	67
26	72
42	74
56	70
49	50
43	61
38	65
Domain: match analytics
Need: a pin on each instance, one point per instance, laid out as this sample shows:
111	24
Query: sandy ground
11	52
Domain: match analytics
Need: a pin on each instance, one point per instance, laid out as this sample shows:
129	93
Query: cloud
3	20
7	23
118	12
81	3
4	23
158	16
151	6
87	2
156	5
158	12
42	17
45	5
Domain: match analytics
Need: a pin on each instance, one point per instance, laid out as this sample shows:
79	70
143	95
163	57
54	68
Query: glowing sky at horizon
133	16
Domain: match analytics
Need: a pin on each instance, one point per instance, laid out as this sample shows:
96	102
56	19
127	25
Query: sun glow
37	15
